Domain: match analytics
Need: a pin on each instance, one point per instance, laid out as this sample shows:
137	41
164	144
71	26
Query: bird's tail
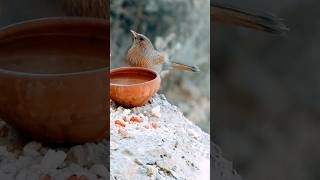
256	20
183	67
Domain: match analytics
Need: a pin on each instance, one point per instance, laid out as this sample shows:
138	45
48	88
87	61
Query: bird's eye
141	38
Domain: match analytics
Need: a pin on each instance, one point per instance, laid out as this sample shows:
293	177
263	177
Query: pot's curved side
71	109
53	83
137	94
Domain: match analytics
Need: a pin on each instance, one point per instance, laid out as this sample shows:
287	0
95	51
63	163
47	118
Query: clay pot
53	83
133	86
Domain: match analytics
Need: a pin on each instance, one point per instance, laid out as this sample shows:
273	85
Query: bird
143	54
260	21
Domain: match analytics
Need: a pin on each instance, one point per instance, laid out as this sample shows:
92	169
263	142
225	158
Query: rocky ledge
151	142
157	142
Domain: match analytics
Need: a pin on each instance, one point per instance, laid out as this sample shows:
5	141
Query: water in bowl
129	79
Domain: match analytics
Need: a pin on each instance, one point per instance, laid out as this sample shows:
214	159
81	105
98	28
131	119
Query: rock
43	150
4	153
155	153
156	111
6	176
88	154
32	146
113	145
27	174
23	174
78	154
44	177
73	177
53	159
192	133
100	170
123	132
32	149
151	171
170	151
83	177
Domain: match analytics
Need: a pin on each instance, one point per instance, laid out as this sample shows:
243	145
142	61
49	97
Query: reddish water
129	79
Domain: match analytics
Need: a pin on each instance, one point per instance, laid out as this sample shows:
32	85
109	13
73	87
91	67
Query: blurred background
266	94
12	11
180	29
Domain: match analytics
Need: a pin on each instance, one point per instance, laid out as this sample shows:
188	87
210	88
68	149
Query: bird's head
140	40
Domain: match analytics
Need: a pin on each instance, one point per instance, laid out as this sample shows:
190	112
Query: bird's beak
134	33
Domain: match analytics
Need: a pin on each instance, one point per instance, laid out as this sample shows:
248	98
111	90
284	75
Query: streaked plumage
143	54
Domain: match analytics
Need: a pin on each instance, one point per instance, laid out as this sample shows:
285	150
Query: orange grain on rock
3	131
83	177
146	126
154	125
45	177
118	122
73	177
136	120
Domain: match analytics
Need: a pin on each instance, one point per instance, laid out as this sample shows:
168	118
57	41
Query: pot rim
135	68
13	28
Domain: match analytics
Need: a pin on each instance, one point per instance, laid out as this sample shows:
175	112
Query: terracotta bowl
133	86
53	83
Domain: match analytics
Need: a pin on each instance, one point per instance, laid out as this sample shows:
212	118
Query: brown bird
143	54
228	14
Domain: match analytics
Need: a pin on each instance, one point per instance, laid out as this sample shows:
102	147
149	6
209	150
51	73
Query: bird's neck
140	49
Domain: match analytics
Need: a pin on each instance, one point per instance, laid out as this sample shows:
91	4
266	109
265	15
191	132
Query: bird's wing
158	58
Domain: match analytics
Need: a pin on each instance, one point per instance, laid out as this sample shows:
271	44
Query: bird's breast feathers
147	59
136	58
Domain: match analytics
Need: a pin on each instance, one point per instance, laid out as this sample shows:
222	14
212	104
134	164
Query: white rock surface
173	149
53	159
